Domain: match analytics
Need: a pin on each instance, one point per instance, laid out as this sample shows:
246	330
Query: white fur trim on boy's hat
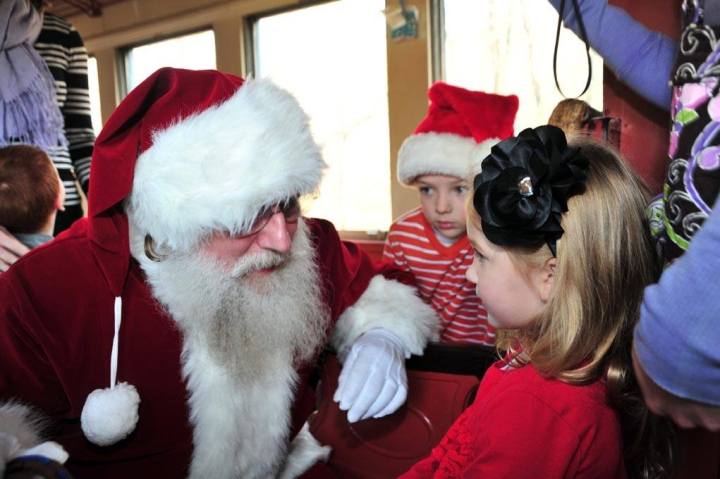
216	169
441	154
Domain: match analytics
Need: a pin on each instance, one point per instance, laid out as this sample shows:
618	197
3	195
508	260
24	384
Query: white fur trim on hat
216	169
390	305
441	154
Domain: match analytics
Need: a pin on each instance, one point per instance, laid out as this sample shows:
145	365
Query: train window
333	58
195	51
507	47
94	89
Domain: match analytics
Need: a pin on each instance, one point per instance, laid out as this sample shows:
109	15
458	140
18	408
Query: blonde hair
604	261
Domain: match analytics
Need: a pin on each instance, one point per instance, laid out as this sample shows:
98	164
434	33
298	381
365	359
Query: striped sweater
60	45
439	271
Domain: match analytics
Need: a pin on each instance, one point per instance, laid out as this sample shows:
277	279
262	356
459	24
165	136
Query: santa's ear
546	279
151	250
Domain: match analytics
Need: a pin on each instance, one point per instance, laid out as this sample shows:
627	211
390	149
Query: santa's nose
275	235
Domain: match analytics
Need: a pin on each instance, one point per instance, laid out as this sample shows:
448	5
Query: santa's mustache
259	261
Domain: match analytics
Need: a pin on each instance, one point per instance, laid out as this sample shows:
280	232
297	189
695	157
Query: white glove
373	382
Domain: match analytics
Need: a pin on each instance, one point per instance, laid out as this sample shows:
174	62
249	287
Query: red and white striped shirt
439	270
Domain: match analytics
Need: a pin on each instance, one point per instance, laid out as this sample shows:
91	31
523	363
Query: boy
430	241
31	194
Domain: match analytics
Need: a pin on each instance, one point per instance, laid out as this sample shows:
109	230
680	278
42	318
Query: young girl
562	254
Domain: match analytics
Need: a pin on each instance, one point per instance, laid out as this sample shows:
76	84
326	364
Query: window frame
250	50
250	40
124	53
437	40
96	129
122	27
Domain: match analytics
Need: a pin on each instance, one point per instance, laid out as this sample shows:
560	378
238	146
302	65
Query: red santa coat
56	331
57	303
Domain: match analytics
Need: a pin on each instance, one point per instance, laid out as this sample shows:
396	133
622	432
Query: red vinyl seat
441	384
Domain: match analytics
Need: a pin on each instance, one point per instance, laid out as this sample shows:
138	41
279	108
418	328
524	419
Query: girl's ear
546	279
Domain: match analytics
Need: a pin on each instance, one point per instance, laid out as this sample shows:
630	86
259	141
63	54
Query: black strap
583	35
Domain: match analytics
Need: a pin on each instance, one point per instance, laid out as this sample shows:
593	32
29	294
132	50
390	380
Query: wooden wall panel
644	136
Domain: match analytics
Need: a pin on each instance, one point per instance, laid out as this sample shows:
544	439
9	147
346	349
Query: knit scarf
28	108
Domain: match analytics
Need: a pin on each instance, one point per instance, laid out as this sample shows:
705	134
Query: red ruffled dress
525	425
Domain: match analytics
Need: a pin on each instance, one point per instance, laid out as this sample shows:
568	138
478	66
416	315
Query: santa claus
174	332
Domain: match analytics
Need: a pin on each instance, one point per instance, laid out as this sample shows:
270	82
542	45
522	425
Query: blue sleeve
641	58
677	340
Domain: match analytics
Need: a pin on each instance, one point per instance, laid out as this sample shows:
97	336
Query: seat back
441	384
373	248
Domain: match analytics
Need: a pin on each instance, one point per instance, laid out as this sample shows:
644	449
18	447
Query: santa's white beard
243	336
247	321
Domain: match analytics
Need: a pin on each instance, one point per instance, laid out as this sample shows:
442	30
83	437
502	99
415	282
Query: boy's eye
425	190
461	190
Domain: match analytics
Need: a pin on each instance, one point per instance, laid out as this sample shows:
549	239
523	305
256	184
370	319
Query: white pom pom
111	414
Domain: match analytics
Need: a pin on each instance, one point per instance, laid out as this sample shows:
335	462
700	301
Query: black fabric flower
524	186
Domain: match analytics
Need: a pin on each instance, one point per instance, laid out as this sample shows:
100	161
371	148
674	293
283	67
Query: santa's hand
373	382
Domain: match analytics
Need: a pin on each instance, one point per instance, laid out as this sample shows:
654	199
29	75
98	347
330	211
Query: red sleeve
518	434
421	470
345	268
390	252
26	374
512	435
391	268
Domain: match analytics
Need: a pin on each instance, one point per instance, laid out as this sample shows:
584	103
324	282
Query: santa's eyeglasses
290	209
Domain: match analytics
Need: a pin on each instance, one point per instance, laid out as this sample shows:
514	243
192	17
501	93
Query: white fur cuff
390	305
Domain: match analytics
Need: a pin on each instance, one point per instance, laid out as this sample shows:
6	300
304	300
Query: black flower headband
524	186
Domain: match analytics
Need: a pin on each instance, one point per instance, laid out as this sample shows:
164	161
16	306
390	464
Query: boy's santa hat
457	133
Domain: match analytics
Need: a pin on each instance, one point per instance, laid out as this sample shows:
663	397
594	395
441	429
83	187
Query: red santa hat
457	133
187	153
197	151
